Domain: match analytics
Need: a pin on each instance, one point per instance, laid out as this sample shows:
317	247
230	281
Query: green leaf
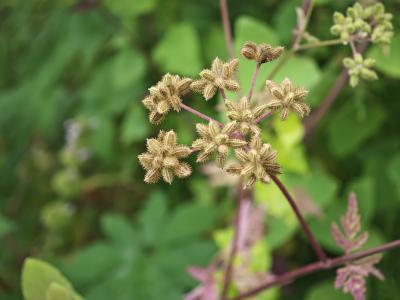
37	278
91	264
393	171
6	225
59	292
301	70
179	50
127	9
135	126
250	29
117	228
387	62
128	67
102	136
326	291
153	217
346	132
188	221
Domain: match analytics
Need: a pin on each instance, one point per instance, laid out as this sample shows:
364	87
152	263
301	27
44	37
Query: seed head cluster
255	160
287	97
220	76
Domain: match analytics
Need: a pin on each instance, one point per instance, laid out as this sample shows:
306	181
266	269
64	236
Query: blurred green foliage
90	213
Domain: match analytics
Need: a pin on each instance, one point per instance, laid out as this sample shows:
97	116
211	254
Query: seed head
261	53
221	76
257	163
166	95
287	98
214	139
244	115
162	158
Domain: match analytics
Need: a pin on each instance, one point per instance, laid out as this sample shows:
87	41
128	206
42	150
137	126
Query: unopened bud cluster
364	23
255	159
360	23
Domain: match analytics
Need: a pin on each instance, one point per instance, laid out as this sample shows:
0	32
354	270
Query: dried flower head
351	278
162	158
259	162
221	76
261	53
245	115
287	98
214	139
166	95
359	67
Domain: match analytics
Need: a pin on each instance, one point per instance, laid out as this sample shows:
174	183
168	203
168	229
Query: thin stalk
319	44
222	91
253	80
264	116
317	266
307	8
234	244
199	114
227	27
314	243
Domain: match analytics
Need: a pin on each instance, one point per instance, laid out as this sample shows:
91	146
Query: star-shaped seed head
221	76
162	158
214	139
256	163
166	95
261	53
287	97
245	116
358	67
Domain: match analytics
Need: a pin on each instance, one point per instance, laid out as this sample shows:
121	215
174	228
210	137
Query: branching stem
253	80
199	114
227	27
317	266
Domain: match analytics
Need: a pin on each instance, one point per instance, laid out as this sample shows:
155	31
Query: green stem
320	44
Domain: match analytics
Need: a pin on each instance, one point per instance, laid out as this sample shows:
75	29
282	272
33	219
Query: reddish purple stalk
253	80
199	114
227	27
314	243
317	266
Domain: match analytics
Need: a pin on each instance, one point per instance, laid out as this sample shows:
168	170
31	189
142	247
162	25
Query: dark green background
94	61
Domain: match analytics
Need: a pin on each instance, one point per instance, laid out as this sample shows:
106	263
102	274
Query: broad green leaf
346	132
301	70
188	221
58	292
91	264
179	50
153	217
388	60
37	278
326	291
128	67
250	29
118	228
278	232
135	126
127	9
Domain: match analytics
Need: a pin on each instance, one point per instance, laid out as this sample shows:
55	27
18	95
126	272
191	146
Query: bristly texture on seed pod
166	95
162	158
245	116
258	163
287	98
261	53
213	138
221	76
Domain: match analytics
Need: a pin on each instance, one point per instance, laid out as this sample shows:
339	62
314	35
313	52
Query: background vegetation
72	124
